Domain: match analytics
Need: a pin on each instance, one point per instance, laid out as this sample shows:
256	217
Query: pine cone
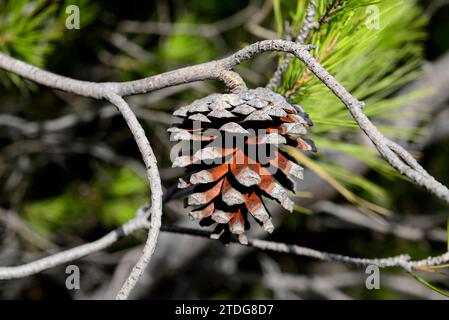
230	152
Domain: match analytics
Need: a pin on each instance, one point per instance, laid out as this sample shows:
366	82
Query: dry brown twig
221	70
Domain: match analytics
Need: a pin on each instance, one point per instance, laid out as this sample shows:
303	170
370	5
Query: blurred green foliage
112	198
188	49
30	30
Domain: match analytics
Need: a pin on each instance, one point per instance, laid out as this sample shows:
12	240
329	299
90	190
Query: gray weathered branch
139	222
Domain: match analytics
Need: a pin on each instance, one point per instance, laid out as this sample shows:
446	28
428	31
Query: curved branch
99	90
139	222
49	79
393	153
404	261
308	25
213	70
7	273
156	191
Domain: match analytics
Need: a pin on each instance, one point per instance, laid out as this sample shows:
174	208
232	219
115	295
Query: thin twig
156	192
396	261
395	155
140	222
307	26
7	273
253	24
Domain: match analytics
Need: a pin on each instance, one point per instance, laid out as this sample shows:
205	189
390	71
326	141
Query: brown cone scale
234	157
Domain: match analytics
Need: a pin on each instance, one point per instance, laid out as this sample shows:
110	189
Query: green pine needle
372	64
29	31
429	285
447	228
